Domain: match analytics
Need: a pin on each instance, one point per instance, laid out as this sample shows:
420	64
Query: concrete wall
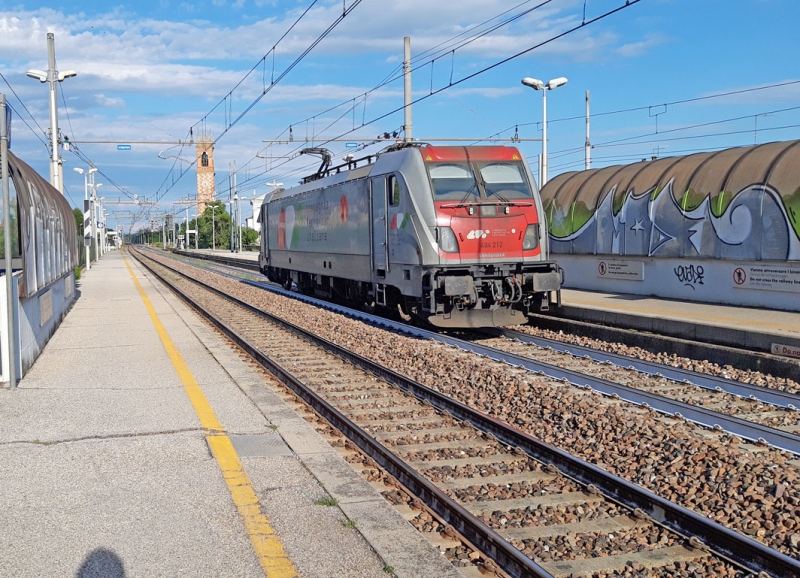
771	285
40	315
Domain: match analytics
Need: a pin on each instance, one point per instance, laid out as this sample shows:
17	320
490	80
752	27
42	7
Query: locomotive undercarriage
488	295
475	296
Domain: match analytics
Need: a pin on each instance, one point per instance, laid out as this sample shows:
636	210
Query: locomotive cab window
393	187
453	181
505	181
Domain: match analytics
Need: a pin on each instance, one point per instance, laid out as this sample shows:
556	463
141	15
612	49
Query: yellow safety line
268	547
595	304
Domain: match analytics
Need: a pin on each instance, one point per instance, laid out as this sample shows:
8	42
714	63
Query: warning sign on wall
773	278
624	270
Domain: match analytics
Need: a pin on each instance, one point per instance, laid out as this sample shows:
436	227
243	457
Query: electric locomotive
454	235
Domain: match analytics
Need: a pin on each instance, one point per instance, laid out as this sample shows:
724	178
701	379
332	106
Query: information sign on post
87	223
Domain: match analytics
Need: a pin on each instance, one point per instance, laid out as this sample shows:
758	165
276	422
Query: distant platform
741	327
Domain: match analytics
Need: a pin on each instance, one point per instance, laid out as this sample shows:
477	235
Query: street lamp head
556	82
66	74
534	83
36	74
78	170
92	170
98	185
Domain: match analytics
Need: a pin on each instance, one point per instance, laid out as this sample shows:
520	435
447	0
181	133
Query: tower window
204	159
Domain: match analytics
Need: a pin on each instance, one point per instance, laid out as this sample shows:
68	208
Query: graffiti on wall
754	225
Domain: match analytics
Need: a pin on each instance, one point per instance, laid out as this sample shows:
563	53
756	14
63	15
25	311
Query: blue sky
151	70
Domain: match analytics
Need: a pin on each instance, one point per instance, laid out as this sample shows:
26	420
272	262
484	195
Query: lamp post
236	231
213	229
86	206
100	230
536	84
53	77
95	240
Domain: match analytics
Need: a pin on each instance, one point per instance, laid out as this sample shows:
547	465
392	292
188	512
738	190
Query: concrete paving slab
134	366
397	548
57	414
259	446
157	503
290	505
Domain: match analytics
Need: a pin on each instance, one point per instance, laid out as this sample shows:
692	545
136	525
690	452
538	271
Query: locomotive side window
393	186
505	180
452	181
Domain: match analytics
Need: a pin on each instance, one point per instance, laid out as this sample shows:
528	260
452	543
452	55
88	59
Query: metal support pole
100	230
92	202
543	176
7	238
86	198
407	130
237	241
52	77
588	153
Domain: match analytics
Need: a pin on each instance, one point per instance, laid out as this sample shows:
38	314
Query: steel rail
743	550
698	414
745	390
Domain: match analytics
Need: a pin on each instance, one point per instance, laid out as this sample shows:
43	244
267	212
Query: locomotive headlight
447	240
531	239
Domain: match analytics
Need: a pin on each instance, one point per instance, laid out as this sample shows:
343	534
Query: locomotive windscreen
497	181
504	181
453	181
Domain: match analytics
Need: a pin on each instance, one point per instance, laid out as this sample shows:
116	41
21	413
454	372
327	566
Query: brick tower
205	171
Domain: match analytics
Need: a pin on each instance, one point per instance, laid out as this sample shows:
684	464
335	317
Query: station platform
740	327
140	444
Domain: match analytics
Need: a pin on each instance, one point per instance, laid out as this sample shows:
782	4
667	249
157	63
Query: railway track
749	411
532	508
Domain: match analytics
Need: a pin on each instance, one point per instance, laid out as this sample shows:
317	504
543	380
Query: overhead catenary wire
25	122
470	76
22	118
651	106
396	73
230	124
627	4
634	140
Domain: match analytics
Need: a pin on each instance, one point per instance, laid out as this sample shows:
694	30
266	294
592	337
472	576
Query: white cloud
634	49
140	77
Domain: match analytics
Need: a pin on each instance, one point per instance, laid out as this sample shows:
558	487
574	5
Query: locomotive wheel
402	309
369	307
288	284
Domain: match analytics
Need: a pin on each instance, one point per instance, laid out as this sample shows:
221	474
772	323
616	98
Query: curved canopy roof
717	176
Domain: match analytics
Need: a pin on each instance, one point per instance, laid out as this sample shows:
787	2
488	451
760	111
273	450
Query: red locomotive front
485	207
